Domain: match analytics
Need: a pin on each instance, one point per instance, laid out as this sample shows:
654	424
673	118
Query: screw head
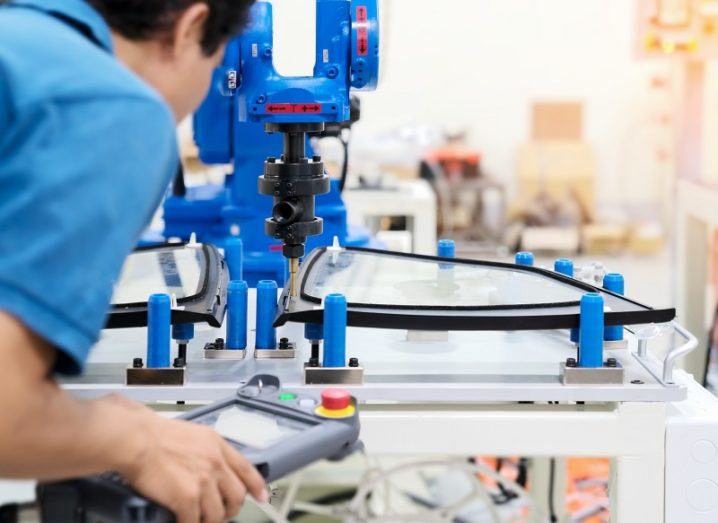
571	362
637	382
137	363
353	362
611	362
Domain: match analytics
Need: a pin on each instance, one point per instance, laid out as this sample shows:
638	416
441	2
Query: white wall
478	64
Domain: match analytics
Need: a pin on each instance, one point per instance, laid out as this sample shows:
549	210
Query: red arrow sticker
279	108
363	41
361	14
308	108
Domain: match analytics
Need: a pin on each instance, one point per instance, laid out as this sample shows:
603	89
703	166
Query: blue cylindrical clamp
565	266
237	297
590	345
524	258
614	282
335	330
313	331
159	317
446	249
183	331
234	255
266	312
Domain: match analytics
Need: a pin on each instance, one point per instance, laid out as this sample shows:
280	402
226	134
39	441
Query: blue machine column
565	266
590	345
524	258
266	334
237	300
614	282
159	316
335	331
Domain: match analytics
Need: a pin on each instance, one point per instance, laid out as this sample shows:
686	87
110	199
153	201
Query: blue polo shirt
87	150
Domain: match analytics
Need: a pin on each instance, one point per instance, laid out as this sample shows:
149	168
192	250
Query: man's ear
189	29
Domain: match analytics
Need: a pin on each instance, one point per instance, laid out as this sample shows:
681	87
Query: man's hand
191	470
47	434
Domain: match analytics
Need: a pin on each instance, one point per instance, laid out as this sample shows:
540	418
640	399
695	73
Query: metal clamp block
333	375
225	354
271	354
592	376
168	376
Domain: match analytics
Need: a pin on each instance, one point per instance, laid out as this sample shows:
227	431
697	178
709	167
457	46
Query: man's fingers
233	492
246	472
213	510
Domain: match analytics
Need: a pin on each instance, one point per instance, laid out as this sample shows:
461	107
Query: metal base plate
273	354
615	345
611	345
225	354
163	377
333	375
599	376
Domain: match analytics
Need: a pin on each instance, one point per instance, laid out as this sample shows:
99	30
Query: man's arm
47	434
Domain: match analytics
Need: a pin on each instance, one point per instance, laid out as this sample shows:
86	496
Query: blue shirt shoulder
86	153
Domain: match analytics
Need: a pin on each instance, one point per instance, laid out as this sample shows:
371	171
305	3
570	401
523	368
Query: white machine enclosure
692	459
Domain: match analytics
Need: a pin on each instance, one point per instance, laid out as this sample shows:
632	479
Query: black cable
345	165
551	486
329	499
178	187
708	354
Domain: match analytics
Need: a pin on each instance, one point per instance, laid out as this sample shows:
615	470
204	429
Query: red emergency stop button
336	403
335	399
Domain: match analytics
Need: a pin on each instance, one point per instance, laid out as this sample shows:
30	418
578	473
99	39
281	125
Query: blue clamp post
590	346
266	312
159	317
615	283
314	331
234	255
237	298
183	332
335	331
524	258
565	266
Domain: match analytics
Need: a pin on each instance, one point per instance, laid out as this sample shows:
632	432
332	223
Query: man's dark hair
146	19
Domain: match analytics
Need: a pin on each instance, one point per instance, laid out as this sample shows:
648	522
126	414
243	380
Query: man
89	95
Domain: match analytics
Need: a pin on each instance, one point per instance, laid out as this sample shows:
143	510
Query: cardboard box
600	238
557	121
561	169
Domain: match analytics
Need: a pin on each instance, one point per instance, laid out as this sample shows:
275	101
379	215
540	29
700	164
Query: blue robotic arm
248	98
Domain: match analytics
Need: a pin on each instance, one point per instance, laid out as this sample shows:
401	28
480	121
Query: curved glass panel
174	270
381	279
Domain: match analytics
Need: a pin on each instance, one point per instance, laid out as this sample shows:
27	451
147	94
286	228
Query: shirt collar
77	11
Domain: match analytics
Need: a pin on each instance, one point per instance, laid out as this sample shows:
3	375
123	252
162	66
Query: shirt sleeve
79	179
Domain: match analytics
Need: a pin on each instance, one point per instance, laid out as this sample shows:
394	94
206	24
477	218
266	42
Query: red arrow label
279	108
362	41
361	14
308	108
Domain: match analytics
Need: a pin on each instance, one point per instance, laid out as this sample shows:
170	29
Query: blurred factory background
585	128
